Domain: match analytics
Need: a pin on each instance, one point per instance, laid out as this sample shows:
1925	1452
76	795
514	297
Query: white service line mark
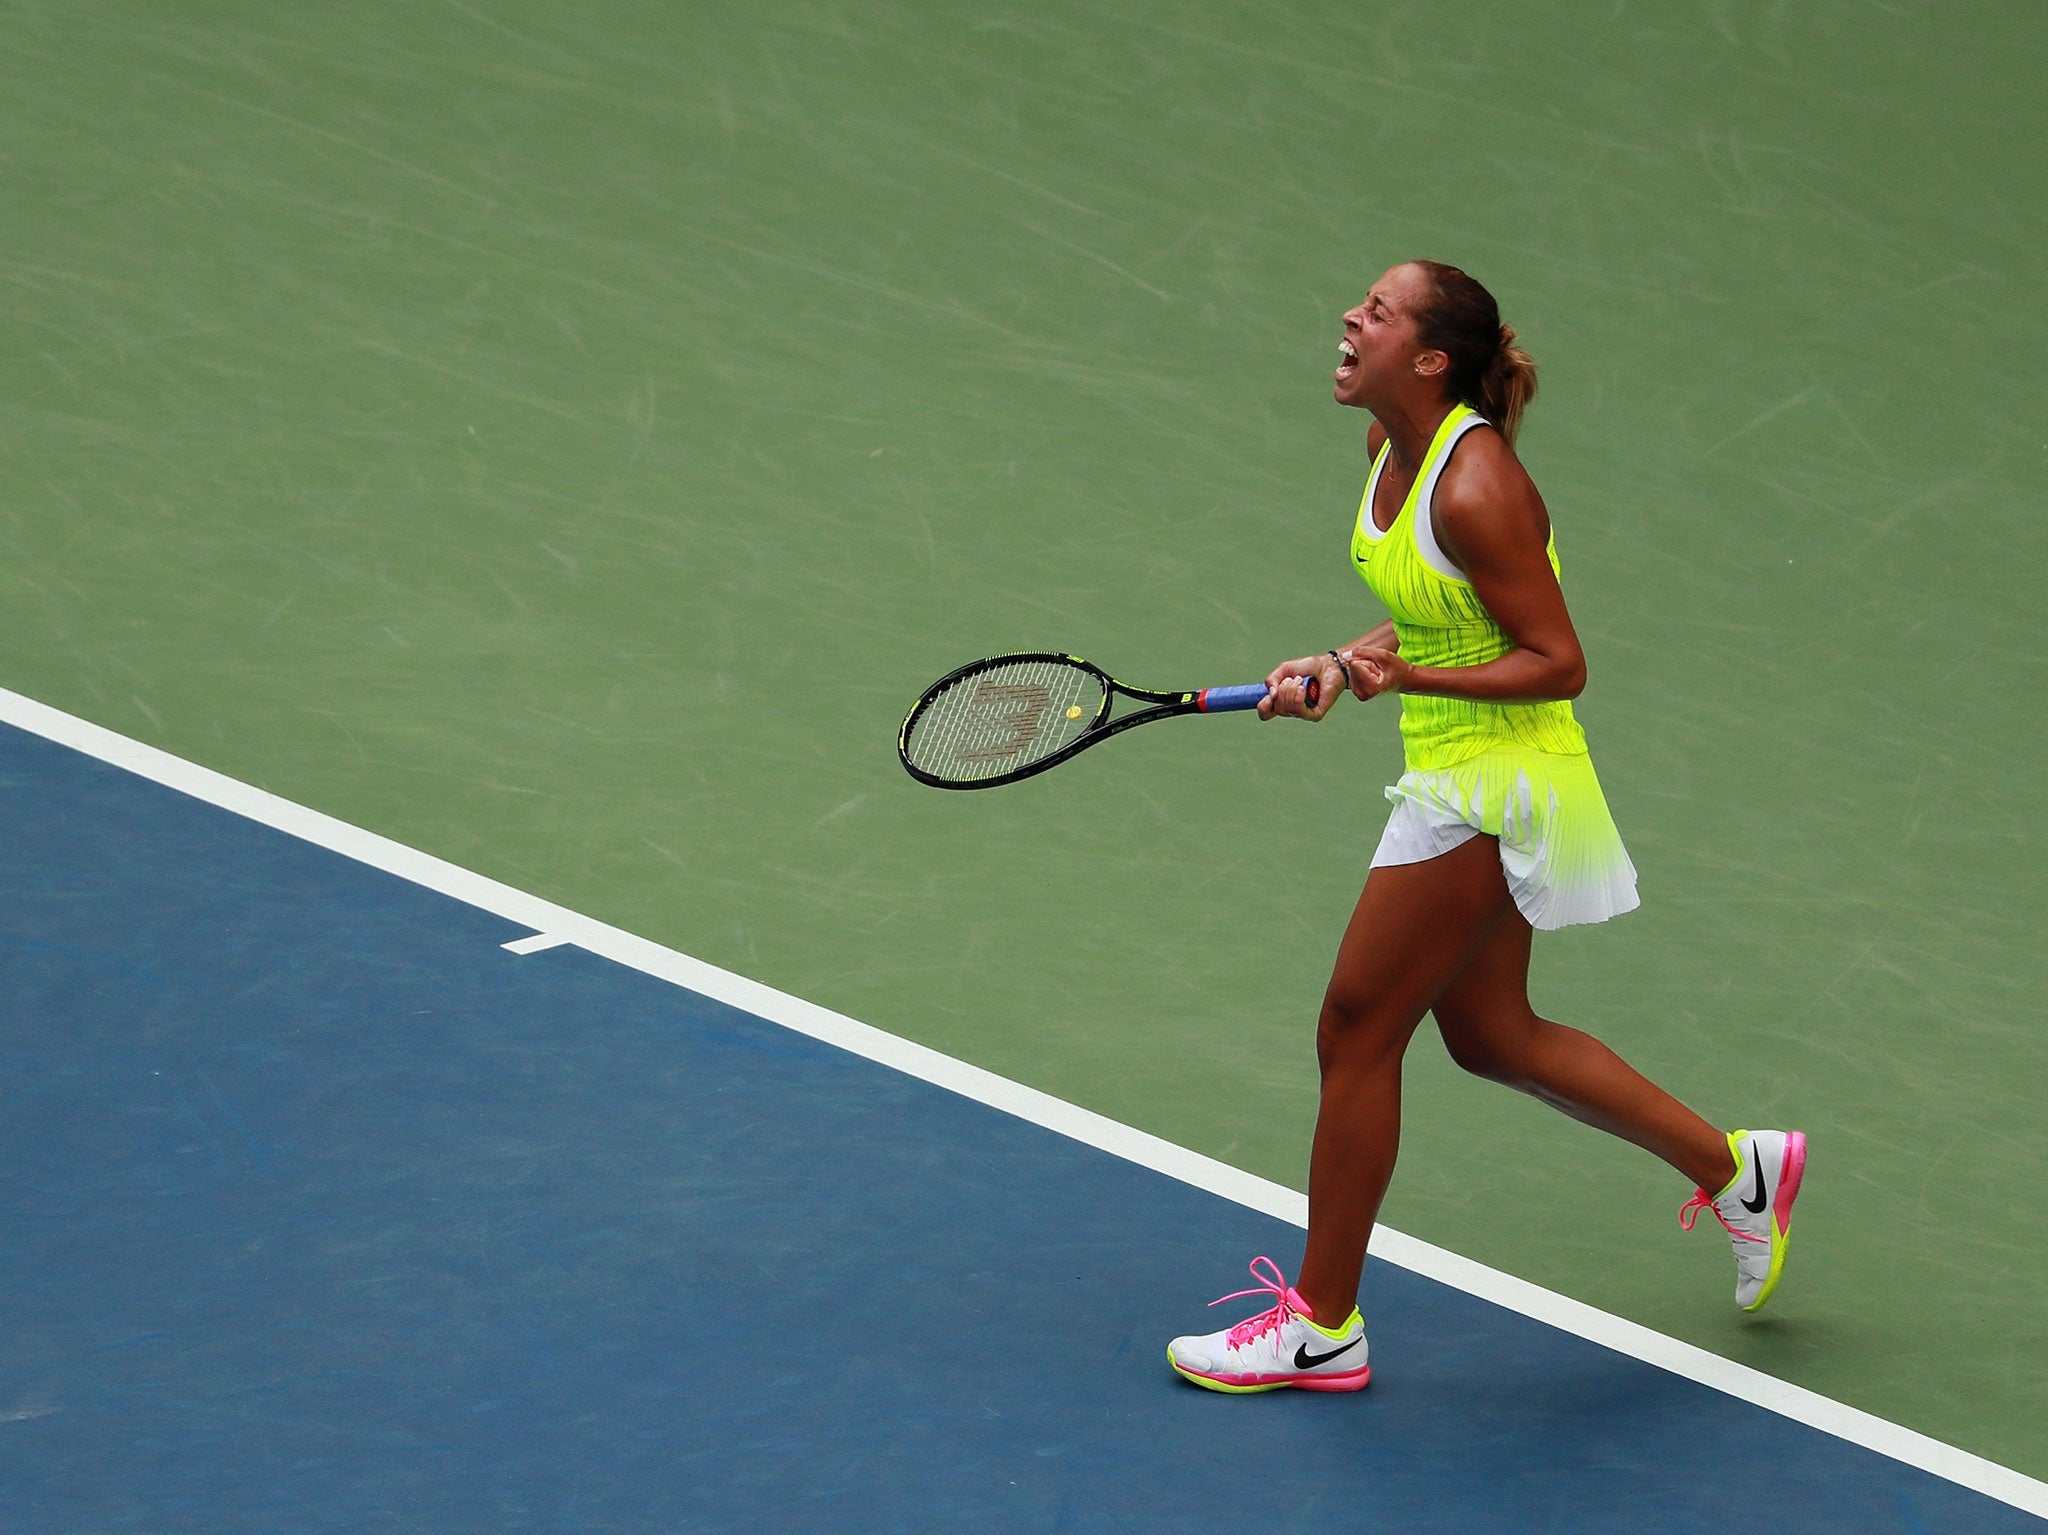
534	944
1028	1103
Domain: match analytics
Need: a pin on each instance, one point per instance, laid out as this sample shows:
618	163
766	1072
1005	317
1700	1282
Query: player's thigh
1484	1013
1415	927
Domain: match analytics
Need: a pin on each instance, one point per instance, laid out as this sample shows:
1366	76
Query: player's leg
1415	927
1491	1030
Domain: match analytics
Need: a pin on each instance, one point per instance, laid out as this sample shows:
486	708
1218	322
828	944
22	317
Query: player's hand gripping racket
1005	718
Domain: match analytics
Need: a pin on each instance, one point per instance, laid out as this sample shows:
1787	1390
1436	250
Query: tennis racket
996	721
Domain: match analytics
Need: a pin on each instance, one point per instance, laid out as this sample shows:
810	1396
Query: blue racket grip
1250	696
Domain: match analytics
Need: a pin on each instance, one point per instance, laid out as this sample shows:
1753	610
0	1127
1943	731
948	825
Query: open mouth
1347	361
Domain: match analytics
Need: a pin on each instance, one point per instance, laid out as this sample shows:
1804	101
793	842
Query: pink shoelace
1286	1299
1689	1212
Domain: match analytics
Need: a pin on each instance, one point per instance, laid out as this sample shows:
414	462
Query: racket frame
1166	705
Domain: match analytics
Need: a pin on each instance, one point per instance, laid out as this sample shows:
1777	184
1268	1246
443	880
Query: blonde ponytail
1507	386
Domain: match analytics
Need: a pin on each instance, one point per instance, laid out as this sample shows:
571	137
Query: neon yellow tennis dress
1518	772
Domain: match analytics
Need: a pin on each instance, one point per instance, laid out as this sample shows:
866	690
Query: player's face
1379	342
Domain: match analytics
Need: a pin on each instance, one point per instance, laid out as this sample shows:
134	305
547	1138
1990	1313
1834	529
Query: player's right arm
1327	671
1325	667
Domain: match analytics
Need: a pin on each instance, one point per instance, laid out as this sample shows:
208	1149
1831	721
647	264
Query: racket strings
1005	718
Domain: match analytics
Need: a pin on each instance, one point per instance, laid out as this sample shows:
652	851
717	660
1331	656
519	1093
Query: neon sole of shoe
1350	1380
1781	1215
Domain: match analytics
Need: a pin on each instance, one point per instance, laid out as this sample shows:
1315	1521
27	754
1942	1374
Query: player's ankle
1327	1313
1720	1165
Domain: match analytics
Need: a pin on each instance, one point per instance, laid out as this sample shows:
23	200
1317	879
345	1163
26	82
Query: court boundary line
1743	1382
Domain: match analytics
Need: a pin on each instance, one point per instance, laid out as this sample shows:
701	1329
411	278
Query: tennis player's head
1427	332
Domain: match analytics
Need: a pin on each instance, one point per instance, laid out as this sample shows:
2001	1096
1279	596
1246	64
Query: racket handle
1250	696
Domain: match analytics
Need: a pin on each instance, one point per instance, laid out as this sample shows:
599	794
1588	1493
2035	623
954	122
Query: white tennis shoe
1756	1208
1283	1346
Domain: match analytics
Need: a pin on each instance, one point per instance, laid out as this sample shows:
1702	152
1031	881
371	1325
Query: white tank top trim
1425	509
1373	531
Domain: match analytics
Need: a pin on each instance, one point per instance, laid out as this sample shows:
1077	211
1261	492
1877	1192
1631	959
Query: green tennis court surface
565	441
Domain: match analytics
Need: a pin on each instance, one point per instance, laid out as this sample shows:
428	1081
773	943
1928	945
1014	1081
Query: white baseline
560	925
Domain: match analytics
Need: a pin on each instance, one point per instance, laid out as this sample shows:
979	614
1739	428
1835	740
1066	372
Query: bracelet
1342	665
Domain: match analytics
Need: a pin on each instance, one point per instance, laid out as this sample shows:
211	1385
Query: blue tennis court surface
326	1212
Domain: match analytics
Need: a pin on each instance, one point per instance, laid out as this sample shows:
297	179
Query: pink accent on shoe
1348	1380
1788	1180
1689	1212
1253	1326
1286	1299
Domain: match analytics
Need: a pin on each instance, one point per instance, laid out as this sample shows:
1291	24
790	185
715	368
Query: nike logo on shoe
1756	1206
1304	1360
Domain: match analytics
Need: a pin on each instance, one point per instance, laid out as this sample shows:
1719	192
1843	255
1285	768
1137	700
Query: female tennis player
1498	828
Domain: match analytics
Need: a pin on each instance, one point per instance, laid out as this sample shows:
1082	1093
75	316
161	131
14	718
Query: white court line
1084	1125
534	944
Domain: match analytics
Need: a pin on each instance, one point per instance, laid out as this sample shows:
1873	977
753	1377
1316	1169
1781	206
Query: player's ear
1432	363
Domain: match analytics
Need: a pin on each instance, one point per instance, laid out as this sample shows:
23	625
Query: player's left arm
1492	522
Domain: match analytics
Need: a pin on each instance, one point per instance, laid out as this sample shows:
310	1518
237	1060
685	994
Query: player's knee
1358	1028
1473	1046
1475	1055
1343	1014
